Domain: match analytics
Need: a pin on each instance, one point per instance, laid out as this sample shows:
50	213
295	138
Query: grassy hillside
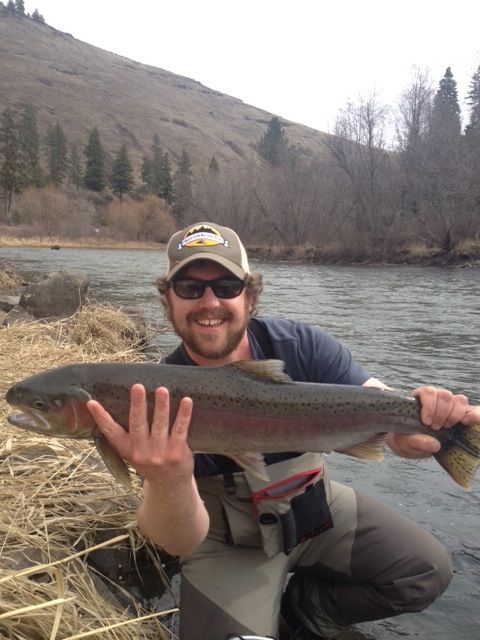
84	86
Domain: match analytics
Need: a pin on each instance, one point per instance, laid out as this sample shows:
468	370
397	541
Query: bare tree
358	149
412	121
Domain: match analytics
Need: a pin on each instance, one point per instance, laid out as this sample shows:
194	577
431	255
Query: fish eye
39	404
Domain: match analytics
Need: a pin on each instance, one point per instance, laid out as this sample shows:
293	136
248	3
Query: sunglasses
191	289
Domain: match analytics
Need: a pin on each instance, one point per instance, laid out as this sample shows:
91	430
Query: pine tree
182	189
74	167
57	154
213	167
20	8
273	145
122	173
11	170
11	8
166	190
146	171
152	168
473	99
30	147
443	150
472	145
446	109
37	16
94	178
156	172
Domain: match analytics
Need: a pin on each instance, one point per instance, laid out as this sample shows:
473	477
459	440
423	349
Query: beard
210	347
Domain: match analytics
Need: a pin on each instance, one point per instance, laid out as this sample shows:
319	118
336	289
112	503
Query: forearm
175	520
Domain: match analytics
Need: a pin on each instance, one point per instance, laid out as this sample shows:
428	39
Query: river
407	326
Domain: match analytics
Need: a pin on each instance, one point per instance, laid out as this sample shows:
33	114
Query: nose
209	297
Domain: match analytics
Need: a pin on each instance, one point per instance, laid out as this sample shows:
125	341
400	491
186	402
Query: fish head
51	406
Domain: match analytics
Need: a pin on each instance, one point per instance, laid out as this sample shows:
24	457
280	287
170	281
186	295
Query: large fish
238	411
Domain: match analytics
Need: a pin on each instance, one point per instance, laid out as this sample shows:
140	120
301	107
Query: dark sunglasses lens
227	288
188	289
222	288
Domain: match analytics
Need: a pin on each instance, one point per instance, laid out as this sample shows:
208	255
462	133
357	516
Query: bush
147	219
51	212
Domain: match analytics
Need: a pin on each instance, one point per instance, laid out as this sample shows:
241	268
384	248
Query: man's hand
172	514
151	450
440	409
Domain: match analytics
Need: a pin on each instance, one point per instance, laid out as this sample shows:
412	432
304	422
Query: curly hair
253	286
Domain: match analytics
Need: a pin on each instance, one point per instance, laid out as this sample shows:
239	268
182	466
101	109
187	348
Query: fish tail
460	453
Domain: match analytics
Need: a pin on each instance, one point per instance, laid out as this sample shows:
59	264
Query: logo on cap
202	237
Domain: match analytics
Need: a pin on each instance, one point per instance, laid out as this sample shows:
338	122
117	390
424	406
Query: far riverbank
466	254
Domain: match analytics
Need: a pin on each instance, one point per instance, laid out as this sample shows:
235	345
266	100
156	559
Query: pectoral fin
117	467
254	463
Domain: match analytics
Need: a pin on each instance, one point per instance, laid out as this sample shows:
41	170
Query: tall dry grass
58	501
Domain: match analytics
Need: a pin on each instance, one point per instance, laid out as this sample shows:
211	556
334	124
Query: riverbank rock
9	277
57	295
15	316
8	301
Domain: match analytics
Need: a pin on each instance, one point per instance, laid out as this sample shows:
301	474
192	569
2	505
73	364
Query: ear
248	302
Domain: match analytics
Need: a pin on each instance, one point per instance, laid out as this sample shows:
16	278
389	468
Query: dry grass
419	251
73	243
470	247
58	501
9	278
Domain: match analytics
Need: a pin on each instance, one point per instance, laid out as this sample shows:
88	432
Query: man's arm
172	514
440	409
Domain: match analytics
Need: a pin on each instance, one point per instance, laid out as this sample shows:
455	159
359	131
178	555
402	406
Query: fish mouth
30	421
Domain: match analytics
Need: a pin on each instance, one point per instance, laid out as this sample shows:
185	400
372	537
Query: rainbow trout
238	410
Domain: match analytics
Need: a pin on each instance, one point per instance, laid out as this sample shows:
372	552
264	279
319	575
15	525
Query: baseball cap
207	241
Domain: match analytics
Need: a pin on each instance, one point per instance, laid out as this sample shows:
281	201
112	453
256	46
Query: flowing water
407	326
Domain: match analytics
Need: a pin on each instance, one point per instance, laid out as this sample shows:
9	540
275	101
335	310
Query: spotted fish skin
238	411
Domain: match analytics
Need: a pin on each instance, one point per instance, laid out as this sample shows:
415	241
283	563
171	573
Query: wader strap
229	484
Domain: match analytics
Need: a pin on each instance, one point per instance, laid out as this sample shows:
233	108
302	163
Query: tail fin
460	454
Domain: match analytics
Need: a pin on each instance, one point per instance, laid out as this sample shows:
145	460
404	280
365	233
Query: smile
214	322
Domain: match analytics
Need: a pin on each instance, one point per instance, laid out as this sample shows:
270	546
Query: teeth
210	323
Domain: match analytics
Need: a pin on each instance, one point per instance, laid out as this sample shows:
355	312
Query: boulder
8	301
15	316
56	295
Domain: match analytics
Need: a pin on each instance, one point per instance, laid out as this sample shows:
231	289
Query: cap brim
204	255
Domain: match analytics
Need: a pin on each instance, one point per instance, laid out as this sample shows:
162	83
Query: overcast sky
300	59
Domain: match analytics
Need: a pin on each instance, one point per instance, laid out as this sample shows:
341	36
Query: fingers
440	407
138	419
114	433
161	416
413	446
144	445
181	424
472	416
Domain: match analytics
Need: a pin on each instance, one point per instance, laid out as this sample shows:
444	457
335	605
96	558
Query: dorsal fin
271	370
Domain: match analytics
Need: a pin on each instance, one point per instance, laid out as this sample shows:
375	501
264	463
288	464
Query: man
352	558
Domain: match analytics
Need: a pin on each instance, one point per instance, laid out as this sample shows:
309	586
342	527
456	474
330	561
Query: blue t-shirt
310	355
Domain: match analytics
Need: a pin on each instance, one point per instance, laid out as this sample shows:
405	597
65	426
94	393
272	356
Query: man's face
210	327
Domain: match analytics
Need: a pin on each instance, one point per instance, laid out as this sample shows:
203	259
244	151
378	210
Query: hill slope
84	86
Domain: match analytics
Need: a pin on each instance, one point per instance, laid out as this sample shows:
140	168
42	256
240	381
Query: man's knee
424	586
